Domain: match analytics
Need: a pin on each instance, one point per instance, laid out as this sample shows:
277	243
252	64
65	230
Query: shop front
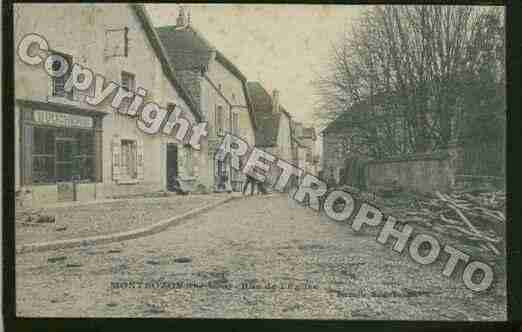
60	151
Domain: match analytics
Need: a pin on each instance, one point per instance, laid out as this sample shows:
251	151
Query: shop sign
62	119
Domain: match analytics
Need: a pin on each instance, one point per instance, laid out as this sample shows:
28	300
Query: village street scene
124	207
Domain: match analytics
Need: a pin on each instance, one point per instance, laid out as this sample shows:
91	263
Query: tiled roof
190	53
187	49
355	115
161	53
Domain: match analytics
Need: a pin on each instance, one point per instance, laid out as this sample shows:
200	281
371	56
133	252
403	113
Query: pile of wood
30	216
471	216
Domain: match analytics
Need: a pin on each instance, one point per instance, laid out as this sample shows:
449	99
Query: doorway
66	167
172	166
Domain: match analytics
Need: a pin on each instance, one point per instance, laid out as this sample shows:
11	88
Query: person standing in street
249	180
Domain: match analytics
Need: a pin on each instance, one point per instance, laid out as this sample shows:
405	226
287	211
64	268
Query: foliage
409	79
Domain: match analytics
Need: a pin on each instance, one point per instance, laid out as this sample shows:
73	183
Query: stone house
298	146
219	90
274	125
333	156
306	138
309	139
67	149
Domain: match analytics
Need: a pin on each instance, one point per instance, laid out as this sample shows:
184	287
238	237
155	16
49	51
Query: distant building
307	140
273	133
339	144
219	90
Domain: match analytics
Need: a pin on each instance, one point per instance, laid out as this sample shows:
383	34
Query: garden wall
420	173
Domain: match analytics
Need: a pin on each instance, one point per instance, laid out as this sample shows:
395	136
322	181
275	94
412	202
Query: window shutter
216	167
116	159
27	154
139	159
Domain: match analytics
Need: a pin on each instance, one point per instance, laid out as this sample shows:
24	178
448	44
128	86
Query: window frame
235	123
125	103
71	134
220	120
189	160
63	94
126	168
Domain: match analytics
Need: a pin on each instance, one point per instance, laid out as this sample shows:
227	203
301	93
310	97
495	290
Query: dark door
66	167
172	166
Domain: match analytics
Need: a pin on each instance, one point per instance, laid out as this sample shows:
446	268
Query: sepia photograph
260	161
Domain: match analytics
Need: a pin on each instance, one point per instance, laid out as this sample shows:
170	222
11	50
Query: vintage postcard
260	161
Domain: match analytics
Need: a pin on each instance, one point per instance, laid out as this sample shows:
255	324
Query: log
478	236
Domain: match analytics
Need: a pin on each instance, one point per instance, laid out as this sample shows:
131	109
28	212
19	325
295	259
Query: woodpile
471	216
28	217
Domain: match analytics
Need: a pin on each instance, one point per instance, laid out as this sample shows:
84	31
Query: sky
281	46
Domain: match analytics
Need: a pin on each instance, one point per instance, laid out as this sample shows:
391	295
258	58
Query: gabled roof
186	48
295	128
189	50
266	120
347	119
354	114
161	53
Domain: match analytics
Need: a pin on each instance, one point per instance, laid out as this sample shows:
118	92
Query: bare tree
404	74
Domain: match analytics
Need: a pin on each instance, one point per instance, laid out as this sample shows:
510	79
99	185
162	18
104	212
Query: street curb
122	236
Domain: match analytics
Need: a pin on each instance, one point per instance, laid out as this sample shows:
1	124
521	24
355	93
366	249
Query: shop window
127	83
58	83
129	160
62	154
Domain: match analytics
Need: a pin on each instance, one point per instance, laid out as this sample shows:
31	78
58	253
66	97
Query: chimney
180	21
275	101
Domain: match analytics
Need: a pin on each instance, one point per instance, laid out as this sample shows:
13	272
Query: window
189	162
171	107
117	42
128	159
127	83
62	154
220	87
58	83
233	97
126	41
235	124
219	120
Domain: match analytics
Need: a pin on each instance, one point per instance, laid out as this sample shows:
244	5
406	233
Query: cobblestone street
265	257
113	216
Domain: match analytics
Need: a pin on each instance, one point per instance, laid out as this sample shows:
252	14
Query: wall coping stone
438	155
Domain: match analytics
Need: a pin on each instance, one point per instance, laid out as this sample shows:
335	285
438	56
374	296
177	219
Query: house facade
219	90
333	155
304	139
342	151
309	140
68	149
274	126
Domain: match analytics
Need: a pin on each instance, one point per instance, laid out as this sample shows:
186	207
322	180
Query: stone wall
333	156
421	173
